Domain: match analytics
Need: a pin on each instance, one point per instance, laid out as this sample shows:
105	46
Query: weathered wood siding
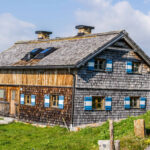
4	108
8	93
5	104
36	77
116	84
51	115
39	83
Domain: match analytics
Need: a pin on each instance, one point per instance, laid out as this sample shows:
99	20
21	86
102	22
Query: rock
148	148
105	144
6	120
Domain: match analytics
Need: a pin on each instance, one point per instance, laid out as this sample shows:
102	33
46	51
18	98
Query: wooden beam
111	129
117	48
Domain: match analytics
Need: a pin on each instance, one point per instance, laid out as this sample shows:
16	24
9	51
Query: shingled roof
70	51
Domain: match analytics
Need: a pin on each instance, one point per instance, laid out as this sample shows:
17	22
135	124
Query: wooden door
13	99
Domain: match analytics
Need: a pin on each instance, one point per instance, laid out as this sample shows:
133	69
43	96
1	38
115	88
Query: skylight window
32	54
36	50
38	53
45	52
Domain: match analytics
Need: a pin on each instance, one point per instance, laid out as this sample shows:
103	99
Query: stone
6	120
148	148
105	144
139	128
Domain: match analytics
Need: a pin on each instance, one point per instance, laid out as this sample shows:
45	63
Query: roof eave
138	50
99	50
123	34
39	67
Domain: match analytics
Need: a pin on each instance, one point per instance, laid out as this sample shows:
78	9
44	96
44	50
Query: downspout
73	97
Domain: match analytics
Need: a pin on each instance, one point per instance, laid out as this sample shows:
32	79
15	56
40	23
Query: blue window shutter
22	99
129	66
33	100
61	102
108	103
87	103
91	64
109	65
46	100
142	102
127	102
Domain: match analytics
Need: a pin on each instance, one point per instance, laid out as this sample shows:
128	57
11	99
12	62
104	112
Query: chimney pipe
84	30
43	34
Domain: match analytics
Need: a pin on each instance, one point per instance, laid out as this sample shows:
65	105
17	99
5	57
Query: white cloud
146	1
106	16
13	29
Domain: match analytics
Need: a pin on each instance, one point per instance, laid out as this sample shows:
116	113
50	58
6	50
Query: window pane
134	102
55	100
13	94
100	64
2	93
135	66
98	103
28	99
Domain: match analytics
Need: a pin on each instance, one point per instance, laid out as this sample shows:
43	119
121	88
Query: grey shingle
70	50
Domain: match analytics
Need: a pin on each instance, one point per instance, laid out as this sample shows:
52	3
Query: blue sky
55	15
20	18
142	5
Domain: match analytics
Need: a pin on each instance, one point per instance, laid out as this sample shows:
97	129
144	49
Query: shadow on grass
147	131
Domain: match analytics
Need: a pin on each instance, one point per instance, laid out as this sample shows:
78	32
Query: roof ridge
72	37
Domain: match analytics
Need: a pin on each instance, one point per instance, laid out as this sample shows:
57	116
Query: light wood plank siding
33	77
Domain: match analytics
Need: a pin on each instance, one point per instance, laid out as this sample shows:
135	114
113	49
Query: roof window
32	54
45	52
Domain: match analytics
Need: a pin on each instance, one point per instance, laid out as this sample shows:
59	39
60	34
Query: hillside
19	136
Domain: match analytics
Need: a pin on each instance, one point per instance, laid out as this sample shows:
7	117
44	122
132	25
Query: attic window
133	67
45	52
136	67
100	64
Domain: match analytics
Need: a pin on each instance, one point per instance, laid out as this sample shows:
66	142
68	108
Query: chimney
84	30
43	34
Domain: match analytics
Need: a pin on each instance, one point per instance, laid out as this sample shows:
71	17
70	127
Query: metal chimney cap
84	27
43	32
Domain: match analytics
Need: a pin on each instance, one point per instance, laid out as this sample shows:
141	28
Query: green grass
1	118
19	136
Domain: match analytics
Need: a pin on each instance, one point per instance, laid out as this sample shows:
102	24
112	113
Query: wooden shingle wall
38	83
116	84
39	113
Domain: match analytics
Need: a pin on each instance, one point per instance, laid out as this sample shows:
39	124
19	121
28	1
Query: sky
19	19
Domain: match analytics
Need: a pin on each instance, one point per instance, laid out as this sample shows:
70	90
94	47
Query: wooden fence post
111	129
139	128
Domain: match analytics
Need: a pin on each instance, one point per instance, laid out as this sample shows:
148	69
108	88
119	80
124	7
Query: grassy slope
19	136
